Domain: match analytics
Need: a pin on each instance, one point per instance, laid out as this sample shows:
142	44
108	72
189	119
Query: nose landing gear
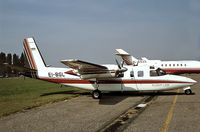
188	91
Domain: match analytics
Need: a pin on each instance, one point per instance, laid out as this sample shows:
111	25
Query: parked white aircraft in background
172	67
99	78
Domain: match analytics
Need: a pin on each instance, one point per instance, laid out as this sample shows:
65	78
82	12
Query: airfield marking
122	121
170	114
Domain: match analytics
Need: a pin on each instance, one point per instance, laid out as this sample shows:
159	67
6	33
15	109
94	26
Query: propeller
118	64
119	72
122	63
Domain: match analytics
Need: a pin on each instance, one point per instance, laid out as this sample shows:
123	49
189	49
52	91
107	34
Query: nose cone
183	80
188	81
192	81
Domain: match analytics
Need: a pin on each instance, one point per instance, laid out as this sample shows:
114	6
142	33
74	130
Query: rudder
33	55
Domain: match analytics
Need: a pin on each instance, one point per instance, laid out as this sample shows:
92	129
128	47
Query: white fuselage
135	79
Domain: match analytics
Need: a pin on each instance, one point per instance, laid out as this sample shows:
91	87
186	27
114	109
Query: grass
17	94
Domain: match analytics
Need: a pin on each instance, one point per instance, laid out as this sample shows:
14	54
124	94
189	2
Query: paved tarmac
184	113
78	114
168	111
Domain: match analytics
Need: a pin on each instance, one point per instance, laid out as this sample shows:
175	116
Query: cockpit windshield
157	72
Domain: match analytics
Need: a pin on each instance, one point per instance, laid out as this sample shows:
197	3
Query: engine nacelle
99	76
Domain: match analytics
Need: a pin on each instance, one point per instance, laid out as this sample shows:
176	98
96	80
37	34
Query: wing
85	67
89	70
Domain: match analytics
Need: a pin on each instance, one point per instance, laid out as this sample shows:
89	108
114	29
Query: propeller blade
122	64
118	64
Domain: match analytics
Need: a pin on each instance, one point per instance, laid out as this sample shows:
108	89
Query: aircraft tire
188	91
96	94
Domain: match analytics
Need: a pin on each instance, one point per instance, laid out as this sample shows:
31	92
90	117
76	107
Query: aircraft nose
188	81
191	81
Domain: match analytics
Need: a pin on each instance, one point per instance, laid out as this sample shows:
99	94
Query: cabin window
166	65
140	73
153	73
157	72
162	65
177	64
131	74
161	72
173	64
181	64
185	64
169	64
152	67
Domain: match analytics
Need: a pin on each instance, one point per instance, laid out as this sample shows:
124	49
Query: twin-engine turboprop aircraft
172	67
99	78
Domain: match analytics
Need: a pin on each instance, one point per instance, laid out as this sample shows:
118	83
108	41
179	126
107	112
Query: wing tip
69	60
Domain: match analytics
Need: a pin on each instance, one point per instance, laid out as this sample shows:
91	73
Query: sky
91	30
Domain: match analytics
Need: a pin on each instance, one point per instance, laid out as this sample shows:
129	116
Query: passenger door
128	83
139	78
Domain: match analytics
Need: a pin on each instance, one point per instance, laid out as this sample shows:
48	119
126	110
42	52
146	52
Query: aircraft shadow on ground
170	93
112	98
66	92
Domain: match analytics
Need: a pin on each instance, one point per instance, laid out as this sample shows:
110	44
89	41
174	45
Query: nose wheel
96	94
188	91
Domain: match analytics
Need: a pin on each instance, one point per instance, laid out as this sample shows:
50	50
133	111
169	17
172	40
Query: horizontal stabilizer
23	70
121	52
19	68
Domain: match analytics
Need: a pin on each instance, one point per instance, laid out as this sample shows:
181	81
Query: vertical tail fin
129	59
33	55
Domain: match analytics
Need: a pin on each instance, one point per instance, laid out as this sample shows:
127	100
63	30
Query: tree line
11	59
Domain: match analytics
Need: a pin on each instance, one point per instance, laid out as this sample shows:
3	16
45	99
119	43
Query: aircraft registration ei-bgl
100	78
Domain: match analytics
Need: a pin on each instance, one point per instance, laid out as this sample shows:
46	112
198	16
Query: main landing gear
96	94
188	91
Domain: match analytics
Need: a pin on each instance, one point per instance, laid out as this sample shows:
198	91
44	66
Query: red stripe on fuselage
182	70
72	81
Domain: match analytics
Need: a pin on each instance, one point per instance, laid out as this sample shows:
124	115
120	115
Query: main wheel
96	94
188	91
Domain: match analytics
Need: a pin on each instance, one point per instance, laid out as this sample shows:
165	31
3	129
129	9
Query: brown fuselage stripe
71	81
182	70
